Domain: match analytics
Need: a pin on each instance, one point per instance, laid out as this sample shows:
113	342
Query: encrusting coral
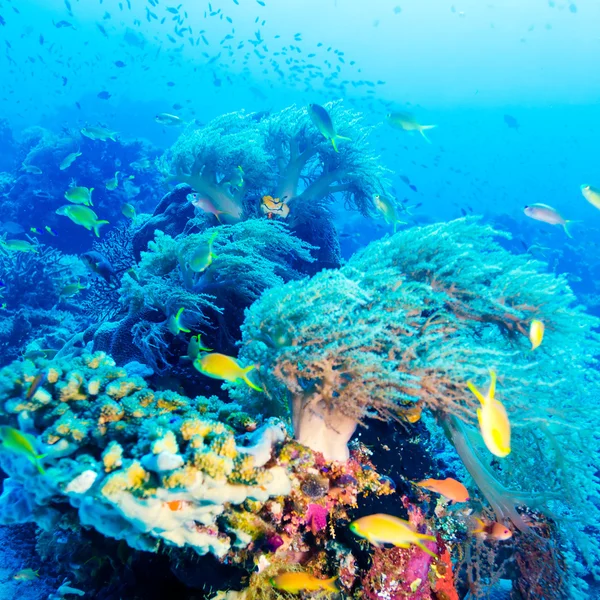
134	464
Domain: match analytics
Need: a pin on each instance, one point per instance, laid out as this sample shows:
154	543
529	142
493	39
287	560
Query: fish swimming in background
174	323
99	134
591	194
536	333
547	214
69	160
387	208
294	583
386	529
82	215
80	195
21	443
407	122
511	122
221	366
18	246
26	575
449	488
98	264
491	530
112	183
128	210
322	121
51	231
31	169
36	230
71	289
493	420
195	347
206	204
274	206
237	178
169	120
141	165
37	382
203	256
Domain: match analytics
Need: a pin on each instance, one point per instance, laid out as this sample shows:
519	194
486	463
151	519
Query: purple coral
316	518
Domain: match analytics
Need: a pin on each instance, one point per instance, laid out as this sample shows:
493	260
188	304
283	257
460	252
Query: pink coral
316	517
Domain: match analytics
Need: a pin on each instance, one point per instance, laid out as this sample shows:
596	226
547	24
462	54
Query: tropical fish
206	204
322	121
99	134
547	214
449	488
50	231
31	169
591	194
112	183
195	347
387	208
511	122
36	230
169	120
128	210
493	530
21	443
69	160
237	178
80	195
203	256
536	333
294	583
82	215
141	165
274	206
386	529
221	366
412	414
174	323
493	420
98	264
37	382
18	245
26	575
72	289
407	122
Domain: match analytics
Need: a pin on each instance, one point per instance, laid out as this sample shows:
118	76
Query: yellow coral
224	445
110	412
131	478
93	386
184	478
72	389
244	471
120	389
52	375
112	457
217	467
167	443
192	427
99	359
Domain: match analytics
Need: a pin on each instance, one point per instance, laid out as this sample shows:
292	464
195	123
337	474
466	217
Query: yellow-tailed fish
26	575
169	120
71	289
294	583
237	178
128	210
387	208
80	195
203	256
547	214
113	183
21	443
82	215
591	194
221	366
195	347
274	206
407	122
385	529
69	160
174	323
31	169
536	333
99	134
493	420
18	246
322	121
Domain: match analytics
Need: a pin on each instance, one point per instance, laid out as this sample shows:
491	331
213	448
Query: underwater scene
299	299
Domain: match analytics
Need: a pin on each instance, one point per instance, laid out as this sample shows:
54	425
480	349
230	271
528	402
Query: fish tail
476	392
334	143
329	584
177	321
97	226
246	379
37	464
422	130
492	388
91	190
479	526
566	226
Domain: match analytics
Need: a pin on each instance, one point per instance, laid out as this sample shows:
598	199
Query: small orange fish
294	583
175	505
491	530
449	488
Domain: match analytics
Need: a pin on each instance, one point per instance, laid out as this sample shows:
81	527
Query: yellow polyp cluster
170	401
130	479
71	390
69	427
112	457
224	445
122	388
97	360
199	427
110	411
248	523
53	375
217	467
145	398
183	478
244	471
93	386
167	443
253	506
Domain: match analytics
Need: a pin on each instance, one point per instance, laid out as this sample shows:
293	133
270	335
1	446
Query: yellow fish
113	183
21	443
388	209
591	194
386	529
18	246
82	215
294	583
221	366
407	122
493	420
26	575
128	210
322	121
203	255
536	333
174	323
69	160
80	195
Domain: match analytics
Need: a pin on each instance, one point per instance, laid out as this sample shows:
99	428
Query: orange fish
176	504
491	529
449	488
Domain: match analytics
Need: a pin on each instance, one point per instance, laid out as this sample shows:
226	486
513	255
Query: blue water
512	87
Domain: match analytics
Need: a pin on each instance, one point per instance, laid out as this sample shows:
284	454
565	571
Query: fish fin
479	419
424	136
492	389
401	545
39	468
334	143
247	379
329	584
476	392
566	226
479	527
426	549
97	226
91	190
